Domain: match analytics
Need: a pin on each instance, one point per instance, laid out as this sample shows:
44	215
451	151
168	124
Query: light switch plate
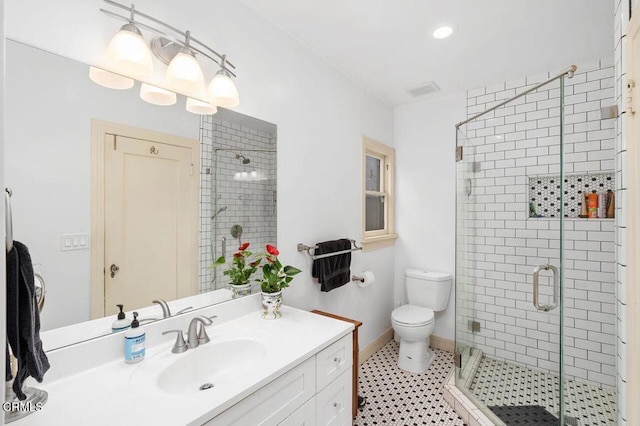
70	242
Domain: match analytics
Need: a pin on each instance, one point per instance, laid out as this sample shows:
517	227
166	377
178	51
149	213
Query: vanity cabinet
315	392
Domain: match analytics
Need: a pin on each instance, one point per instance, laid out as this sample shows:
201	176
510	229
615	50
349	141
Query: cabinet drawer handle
336	405
337	360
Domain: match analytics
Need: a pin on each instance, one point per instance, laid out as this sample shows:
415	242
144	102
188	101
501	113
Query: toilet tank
428	289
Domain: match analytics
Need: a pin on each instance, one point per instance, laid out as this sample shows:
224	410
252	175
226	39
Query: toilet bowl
413	325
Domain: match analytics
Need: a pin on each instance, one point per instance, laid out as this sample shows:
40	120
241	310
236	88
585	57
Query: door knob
114	268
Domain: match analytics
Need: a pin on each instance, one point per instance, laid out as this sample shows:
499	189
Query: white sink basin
211	364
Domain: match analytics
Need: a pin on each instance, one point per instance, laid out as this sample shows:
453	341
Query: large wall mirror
124	202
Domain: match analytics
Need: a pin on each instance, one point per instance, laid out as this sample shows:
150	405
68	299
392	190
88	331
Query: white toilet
413	323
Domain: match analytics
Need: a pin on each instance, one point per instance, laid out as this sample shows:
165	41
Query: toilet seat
412	316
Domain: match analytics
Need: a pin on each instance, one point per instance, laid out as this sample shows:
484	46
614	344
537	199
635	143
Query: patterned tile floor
499	383
395	397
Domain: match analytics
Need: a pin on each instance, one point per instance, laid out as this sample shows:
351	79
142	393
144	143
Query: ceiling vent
425	89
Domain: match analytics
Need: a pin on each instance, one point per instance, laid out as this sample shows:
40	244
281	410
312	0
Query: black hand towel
23	318
333	271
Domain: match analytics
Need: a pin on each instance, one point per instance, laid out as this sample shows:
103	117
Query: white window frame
387	155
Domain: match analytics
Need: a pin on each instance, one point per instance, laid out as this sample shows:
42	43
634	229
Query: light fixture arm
189	41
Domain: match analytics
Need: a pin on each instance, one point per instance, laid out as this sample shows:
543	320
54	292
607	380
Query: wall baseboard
375	346
438	342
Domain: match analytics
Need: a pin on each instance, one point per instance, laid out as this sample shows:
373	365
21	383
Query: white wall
425	144
320	114
48	164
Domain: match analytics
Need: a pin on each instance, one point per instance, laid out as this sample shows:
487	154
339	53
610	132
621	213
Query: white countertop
104	395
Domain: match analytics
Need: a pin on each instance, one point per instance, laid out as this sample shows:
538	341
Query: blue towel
23	319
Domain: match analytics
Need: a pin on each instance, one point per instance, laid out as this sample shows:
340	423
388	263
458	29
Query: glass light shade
223	91
156	95
110	80
184	74
129	54
198	107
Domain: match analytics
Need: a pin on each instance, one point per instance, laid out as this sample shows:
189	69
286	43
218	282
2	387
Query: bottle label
134	348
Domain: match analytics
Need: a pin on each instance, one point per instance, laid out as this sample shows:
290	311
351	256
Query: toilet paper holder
357	278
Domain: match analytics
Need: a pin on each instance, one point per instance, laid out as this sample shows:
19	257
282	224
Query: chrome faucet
166	312
195	337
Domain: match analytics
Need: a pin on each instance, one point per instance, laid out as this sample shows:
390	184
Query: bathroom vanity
291	371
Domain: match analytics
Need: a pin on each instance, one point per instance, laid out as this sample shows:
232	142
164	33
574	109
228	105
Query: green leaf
290	270
220	261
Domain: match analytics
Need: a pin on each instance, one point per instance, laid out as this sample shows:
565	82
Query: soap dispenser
121	323
134	340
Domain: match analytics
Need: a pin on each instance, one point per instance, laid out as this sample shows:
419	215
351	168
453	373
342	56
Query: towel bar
304	247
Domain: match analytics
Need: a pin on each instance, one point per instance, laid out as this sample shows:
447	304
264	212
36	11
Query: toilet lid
412	315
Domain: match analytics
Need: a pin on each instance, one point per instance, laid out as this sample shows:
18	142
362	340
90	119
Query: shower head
245	160
220	210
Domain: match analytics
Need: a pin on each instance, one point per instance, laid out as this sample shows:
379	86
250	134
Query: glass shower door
509	244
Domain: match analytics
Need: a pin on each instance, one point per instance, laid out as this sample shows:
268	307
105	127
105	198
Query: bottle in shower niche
602	205
134	340
592	206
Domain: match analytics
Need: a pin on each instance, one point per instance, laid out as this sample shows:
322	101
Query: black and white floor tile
395	397
501	385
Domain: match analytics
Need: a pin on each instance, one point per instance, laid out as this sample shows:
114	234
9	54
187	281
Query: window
378	163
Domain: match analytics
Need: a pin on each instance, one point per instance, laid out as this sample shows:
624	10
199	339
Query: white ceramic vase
240	290
271	303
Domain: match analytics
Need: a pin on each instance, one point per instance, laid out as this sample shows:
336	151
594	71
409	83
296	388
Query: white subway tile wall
499	246
621	19
250	204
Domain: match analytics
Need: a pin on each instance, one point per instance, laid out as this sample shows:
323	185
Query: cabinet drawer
333	403
333	361
274	402
303	416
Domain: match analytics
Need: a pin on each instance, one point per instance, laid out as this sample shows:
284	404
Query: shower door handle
536	286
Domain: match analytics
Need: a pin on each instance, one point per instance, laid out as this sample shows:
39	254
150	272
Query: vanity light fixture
128	54
443	32
222	90
110	80
198	107
184	74
157	95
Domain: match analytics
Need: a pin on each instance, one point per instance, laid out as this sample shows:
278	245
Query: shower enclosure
244	204
238	190
535	311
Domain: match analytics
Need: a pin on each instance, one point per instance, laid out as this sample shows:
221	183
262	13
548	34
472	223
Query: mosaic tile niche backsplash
544	192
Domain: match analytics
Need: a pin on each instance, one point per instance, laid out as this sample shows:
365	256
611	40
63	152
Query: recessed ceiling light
443	32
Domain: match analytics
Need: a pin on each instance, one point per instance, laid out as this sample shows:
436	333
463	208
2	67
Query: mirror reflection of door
150	220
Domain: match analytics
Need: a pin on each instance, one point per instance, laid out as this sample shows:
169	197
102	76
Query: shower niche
545	196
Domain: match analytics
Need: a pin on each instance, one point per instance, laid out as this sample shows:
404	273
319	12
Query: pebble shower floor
395	397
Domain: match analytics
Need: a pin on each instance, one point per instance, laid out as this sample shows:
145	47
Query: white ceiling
387	46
